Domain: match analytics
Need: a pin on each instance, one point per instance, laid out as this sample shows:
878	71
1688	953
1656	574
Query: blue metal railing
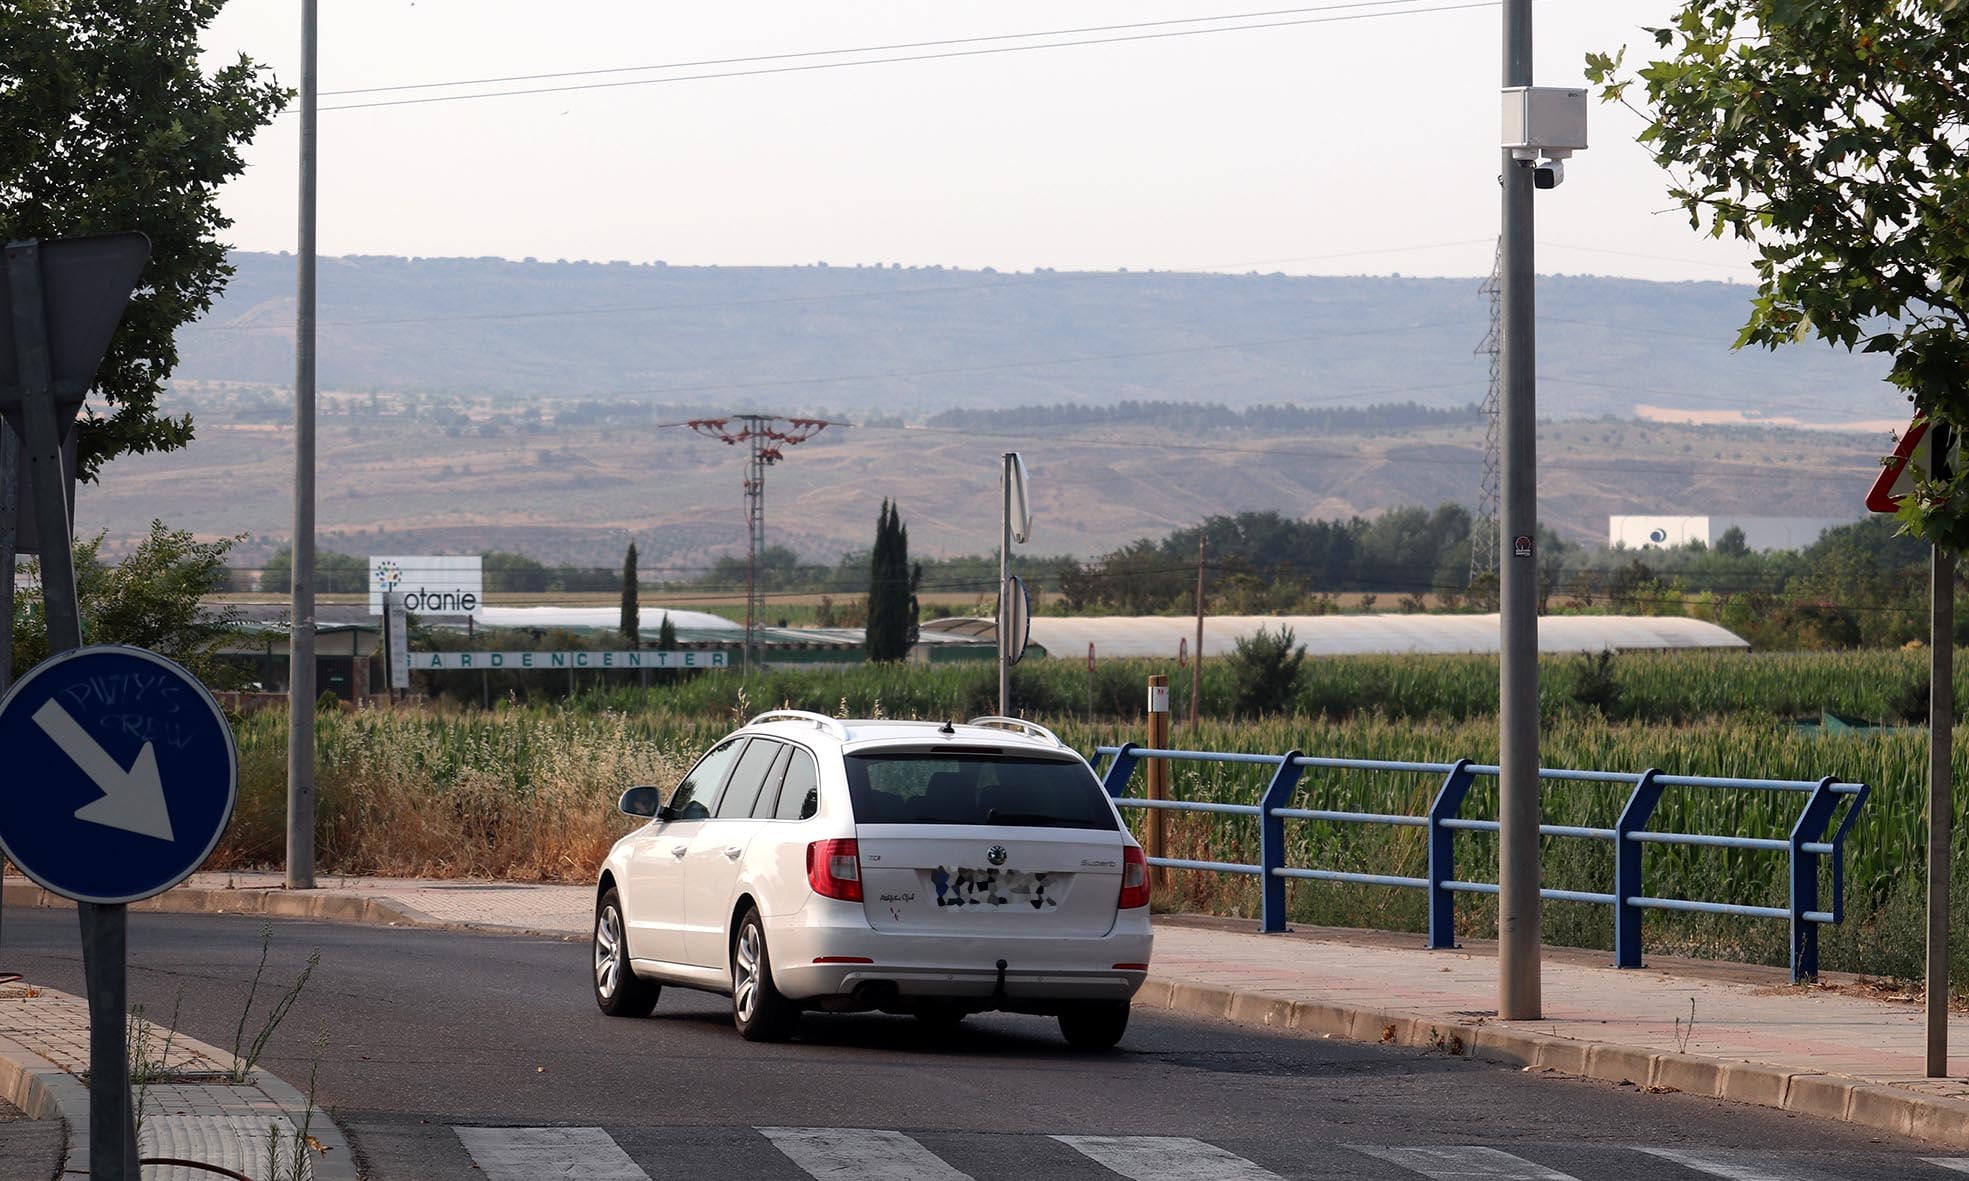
1808	842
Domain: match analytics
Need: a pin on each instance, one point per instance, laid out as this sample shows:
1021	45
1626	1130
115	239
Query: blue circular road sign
121	774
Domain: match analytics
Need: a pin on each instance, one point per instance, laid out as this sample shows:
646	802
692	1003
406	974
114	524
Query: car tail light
1134	877
834	869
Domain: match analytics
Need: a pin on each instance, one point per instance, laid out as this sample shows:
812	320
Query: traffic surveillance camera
1548	174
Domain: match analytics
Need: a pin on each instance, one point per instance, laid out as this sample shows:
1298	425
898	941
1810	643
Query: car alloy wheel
608	952
745	972
619	992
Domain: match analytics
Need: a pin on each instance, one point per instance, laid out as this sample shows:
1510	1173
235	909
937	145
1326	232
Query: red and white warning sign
1896	481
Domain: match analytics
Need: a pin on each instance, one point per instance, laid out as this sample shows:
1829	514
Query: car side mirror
642	801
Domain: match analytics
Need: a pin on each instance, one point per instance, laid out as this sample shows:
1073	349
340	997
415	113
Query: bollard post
1810	829
1628	883
1158	780
1447	805
1271	841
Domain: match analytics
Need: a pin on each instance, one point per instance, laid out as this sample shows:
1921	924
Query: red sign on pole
1897	475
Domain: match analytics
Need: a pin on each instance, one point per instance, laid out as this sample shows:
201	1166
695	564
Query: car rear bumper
808	948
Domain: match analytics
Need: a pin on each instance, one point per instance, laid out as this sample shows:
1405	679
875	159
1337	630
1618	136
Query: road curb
319	905
1852	1100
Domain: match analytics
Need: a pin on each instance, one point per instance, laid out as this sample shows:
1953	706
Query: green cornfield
1867	685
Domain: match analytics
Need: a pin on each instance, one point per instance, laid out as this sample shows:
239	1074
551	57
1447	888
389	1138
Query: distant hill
473	404
866	341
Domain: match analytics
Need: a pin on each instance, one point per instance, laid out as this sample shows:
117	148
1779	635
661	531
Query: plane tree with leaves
1833	135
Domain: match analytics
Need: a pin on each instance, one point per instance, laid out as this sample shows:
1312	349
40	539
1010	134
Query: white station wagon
808	862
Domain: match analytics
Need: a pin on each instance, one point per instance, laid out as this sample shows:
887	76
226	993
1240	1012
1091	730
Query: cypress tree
632	614
891	589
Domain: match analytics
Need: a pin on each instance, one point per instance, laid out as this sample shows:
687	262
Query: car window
998	789
748	777
799	792
691	799
762	808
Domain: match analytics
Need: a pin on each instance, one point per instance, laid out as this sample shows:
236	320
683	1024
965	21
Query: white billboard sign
430	585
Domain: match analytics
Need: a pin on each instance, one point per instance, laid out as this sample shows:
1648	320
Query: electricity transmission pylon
766	437
1483	522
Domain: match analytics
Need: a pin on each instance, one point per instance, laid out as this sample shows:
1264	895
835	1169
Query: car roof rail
820	721
1020	726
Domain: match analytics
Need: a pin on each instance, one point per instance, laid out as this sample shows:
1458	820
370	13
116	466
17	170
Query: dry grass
527	797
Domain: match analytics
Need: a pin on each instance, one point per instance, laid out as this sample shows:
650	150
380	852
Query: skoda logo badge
995	854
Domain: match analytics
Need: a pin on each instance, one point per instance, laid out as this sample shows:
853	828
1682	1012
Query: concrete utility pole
1941	785
300	651
1518	903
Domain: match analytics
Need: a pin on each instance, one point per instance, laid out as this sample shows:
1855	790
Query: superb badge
996	854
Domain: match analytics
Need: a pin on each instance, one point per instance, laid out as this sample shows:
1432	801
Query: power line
767	57
955	53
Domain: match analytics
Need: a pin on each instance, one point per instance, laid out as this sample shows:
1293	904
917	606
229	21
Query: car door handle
679	850
732	852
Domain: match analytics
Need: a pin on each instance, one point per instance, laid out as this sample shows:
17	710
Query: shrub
1265	668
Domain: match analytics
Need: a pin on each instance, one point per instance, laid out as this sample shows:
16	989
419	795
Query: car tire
1096	1025
619	992
758	1010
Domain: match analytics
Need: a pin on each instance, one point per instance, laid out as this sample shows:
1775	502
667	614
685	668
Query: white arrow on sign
133	800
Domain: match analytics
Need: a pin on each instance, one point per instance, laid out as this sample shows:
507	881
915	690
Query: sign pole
1005	589
10	461
112	1122
10	468
1196	670
1941	786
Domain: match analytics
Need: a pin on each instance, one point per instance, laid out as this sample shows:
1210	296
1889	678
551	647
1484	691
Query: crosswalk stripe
537	1154
1954	1164
1716	1165
1166	1158
867	1154
1457	1163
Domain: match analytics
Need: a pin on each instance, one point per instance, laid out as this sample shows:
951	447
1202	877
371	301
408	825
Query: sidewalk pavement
1836	1050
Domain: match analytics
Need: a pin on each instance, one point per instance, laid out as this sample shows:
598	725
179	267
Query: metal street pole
1518	915
1941	786
1004	578
112	1120
300	652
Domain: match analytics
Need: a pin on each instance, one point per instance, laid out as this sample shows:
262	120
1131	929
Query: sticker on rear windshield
993	889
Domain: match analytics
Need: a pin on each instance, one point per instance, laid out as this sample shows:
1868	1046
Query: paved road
452	1056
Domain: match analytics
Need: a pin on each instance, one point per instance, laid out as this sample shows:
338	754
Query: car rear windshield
939	787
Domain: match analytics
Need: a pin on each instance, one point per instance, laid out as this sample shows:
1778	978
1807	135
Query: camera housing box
1544	120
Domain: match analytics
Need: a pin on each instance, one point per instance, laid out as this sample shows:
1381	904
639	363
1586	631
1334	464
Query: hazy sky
1365	143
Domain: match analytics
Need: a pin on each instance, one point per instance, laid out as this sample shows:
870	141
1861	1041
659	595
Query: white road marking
539	1154
1456	1163
866	1154
1954	1164
1717	1164
1166	1158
